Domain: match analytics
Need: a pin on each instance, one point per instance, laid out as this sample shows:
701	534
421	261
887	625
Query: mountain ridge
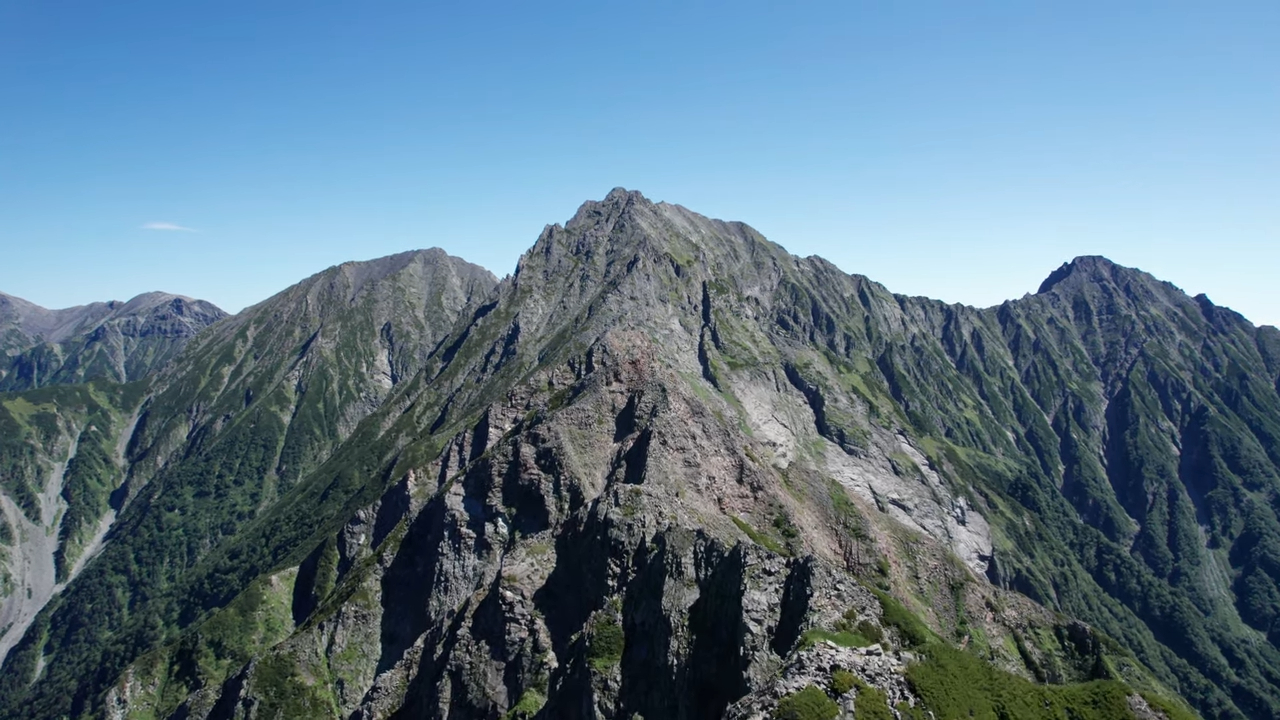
55	325
145	443
122	341
664	455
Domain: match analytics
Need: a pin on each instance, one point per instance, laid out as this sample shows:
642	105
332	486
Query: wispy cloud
166	226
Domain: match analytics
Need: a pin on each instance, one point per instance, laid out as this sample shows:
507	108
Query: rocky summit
665	469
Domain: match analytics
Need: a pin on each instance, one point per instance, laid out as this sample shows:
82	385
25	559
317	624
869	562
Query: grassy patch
760	538
810	703
871	703
1171	710
842	681
870	631
910	629
528	706
843	638
955	685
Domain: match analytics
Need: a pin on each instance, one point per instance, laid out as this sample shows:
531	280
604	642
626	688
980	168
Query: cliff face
667	469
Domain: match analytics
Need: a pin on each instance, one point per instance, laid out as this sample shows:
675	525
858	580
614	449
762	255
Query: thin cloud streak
166	226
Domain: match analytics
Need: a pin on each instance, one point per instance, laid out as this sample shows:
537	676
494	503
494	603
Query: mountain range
120	341
665	469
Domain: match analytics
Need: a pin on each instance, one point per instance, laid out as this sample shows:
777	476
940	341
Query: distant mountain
663	470
113	340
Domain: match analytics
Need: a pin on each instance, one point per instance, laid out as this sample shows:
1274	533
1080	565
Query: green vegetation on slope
207	654
1121	438
41	428
810	703
954	685
606	644
247	490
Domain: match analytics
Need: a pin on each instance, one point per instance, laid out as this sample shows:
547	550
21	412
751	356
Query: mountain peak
1093	268
597	229
1090	273
363	273
617	202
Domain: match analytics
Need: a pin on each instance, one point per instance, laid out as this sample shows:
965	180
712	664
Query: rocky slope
62	453
119	341
667	469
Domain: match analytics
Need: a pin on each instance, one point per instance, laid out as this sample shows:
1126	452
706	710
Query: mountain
310	361
119	341
667	469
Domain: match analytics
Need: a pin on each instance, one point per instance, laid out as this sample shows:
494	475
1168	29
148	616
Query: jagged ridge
604	440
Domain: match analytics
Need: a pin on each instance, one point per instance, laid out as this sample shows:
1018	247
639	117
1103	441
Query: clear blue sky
960	150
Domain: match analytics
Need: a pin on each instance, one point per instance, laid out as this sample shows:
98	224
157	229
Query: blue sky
957	150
